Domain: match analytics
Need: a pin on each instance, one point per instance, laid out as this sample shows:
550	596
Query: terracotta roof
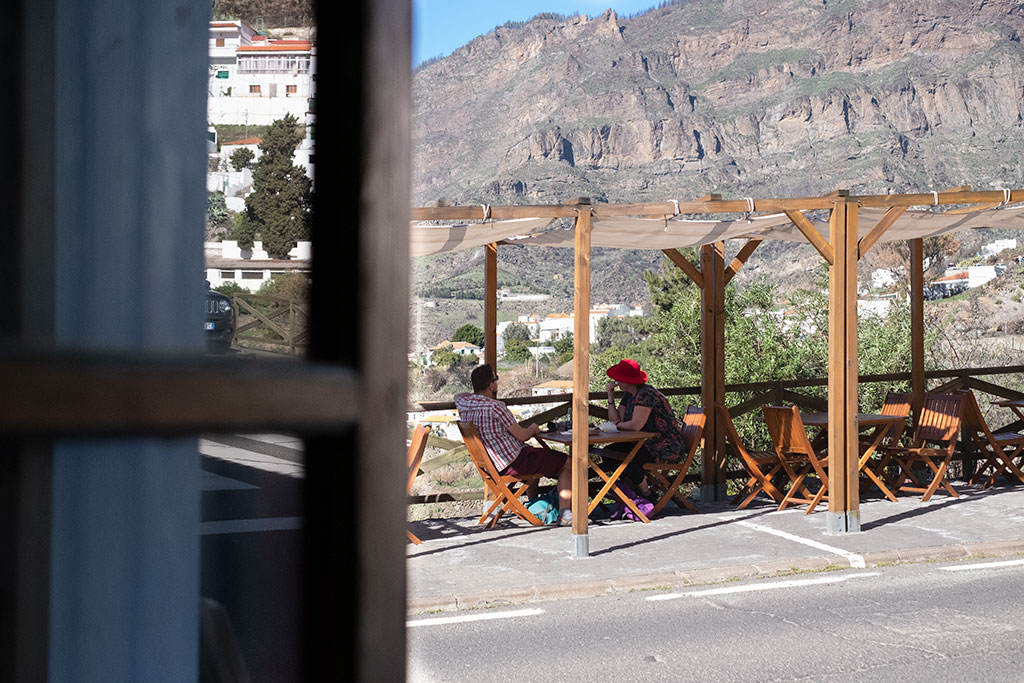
293	46
953	277
555	384
246	141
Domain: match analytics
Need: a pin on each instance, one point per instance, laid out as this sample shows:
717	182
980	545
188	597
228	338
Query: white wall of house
254	274
979	275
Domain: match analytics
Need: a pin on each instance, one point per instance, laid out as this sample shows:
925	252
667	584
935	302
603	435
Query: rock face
739	97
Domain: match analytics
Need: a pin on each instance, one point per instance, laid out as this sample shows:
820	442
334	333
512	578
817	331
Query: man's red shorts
534	460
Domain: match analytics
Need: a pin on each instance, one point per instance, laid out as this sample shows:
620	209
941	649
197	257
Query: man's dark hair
481	377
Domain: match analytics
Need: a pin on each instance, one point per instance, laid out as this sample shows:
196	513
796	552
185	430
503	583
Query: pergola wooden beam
713	205
684	265
581	383
741	258
712	348
887	221
491	305
812	235
917	375
843	449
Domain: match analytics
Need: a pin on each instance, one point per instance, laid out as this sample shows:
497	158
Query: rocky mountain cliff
740	97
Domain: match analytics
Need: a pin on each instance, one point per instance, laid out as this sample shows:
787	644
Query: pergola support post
491	305
843	514
712	344
917	379
581	382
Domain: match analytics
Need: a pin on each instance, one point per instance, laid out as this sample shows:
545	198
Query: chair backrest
477	451
787	431
974	419
693	428
733	437
417	445
939	421
895	404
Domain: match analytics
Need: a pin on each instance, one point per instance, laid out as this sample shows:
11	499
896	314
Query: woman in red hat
645	409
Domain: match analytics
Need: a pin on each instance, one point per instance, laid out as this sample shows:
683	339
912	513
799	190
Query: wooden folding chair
797	456
505	498
895	403
933	444
999	449
417	445
761	467
660	472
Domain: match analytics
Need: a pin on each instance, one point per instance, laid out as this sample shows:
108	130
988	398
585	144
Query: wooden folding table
864	421
596	437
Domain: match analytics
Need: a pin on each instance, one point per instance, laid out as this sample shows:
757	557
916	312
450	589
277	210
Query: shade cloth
674	233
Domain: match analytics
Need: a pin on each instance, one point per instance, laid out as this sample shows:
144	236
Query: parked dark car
220	321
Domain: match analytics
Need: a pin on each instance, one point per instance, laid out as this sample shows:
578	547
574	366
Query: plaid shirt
492	418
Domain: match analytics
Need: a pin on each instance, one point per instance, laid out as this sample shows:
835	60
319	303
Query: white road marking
242	526
766	586
984	565
856	561
483	616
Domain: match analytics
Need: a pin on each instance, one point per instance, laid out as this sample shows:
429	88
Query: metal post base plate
709	493
580	545
842	522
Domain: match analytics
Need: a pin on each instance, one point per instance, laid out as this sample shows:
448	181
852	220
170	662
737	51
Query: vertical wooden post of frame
843	493
712	343
491	306
580	382
917	380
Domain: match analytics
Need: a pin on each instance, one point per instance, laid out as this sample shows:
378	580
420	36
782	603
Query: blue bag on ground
544	507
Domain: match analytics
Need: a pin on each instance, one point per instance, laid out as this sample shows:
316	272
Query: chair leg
671	491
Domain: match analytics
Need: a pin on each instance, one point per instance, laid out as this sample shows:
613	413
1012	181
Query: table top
598	437
865	419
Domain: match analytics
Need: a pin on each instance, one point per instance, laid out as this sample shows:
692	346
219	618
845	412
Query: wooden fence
271	323
794	392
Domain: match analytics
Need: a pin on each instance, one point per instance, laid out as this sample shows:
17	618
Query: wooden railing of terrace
780	392
270	321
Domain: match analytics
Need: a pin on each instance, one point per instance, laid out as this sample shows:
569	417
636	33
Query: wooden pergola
846	242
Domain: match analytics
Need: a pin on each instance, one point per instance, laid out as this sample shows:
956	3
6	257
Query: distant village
875	299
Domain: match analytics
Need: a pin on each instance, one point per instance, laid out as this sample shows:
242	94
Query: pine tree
279	208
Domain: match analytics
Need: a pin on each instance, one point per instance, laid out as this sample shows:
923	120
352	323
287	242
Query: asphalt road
921	622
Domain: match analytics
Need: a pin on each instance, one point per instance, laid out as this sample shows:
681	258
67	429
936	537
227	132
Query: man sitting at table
505	439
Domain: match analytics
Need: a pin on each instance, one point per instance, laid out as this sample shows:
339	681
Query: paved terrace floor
463	566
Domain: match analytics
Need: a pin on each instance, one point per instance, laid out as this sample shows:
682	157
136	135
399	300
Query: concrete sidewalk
461	566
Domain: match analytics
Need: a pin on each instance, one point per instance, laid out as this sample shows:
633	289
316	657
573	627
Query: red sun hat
627	371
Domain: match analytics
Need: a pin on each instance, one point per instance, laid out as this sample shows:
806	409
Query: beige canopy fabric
674	233
441	239
914	224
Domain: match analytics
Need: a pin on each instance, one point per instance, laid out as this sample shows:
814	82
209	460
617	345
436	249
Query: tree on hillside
516	332
469	333
241	158
279	208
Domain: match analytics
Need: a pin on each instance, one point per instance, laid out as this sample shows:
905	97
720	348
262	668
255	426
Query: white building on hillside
254	80
250	268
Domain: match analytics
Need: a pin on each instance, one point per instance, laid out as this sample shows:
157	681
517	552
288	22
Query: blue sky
442	26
